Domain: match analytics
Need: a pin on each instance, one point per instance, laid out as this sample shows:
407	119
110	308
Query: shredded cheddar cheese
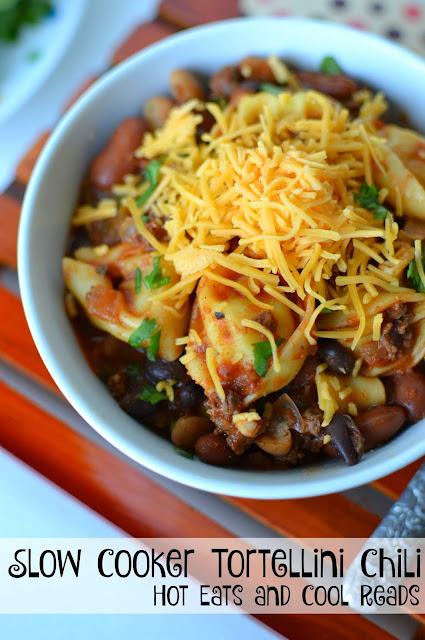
213	372
276	174
377	323
251	324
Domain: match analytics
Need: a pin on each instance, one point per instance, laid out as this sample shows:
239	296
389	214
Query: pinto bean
379	424
345	438
337	357
185	86
408	391
156	111
188	430
160	369
340	87
257	68
212	449
117	158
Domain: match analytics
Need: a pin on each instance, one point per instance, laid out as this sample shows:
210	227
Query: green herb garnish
368	198
270	88
152	395
148	330
145	218
330	66
326	311
151	176
14	14
133	370
155	279
137	280
220	101
183	453
262	355
173	424
153	347
413	274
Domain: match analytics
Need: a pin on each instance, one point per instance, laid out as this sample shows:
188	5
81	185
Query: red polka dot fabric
400	21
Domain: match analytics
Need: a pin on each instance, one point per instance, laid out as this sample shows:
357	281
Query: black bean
191	395
161	369
136	407
337	357
345	438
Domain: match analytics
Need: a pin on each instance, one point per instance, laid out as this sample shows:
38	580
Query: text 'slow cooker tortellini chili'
246	272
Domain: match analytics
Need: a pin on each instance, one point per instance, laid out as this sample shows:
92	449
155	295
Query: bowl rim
232	484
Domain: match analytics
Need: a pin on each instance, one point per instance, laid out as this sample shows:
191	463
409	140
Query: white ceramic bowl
52	194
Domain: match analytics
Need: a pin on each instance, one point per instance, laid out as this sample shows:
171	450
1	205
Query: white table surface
31	506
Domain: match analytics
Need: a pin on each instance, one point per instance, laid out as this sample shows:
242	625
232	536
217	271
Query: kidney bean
212	449
189	429
246	88
160	369
379	424
408	391
136	407
191	394
337	357
224	81
414	228
345	438
156	111
257	68
340	87
185	86
117	158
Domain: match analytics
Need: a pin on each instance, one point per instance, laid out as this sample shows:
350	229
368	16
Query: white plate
26	63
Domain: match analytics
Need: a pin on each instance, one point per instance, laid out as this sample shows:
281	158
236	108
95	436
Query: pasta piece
337	393
410	148
233	343
399	180
402	342
121	311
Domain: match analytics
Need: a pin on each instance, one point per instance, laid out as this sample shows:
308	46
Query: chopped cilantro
220	101
137	280
145	218
413	274
155	279
326	311
152	395
330	67
14	14
151	176
173	424
153	347
262	355
368	198
133	370
183	453
148	330
270	88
